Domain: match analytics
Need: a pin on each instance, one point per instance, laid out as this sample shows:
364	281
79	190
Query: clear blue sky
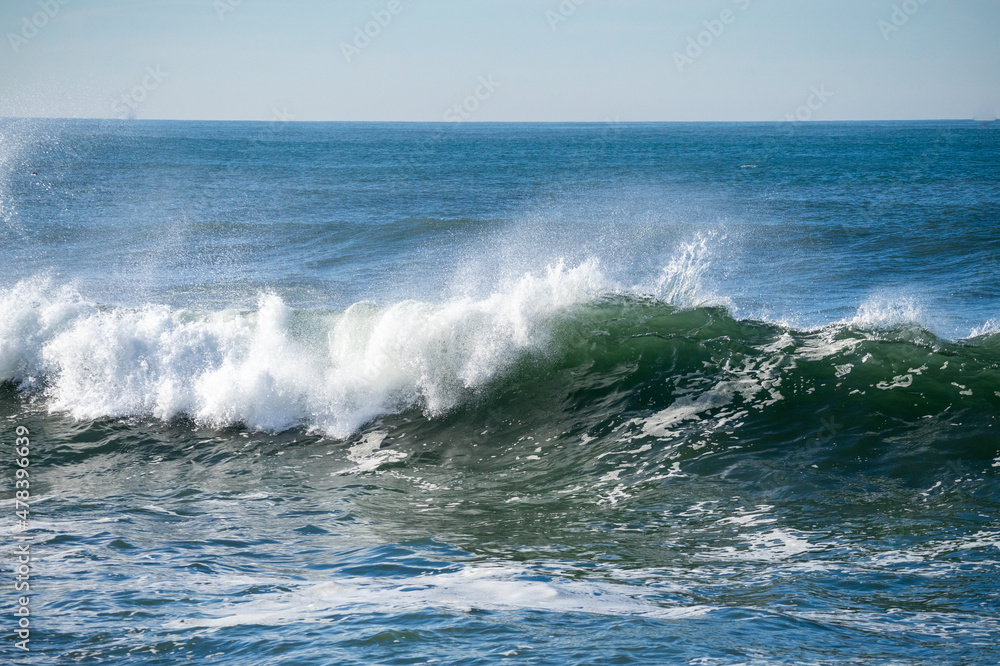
608	60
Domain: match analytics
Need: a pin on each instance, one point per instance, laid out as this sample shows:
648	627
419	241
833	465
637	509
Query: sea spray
262	369
681	282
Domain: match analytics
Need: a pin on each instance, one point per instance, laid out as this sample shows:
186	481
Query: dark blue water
610	393
810	220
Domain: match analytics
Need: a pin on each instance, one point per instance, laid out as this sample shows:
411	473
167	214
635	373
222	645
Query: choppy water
369	393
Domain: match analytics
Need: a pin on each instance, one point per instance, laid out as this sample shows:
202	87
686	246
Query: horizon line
512	122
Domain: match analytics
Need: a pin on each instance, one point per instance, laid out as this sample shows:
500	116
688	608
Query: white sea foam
990	327
888	311
682	281
274	368
756	381
33	313
661	424
369	455
771	546
474	587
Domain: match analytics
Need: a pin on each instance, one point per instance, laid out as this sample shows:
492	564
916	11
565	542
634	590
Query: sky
501	60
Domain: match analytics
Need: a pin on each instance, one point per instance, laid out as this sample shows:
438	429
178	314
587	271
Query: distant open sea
363	393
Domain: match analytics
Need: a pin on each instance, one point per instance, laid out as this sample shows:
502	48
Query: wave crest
276	368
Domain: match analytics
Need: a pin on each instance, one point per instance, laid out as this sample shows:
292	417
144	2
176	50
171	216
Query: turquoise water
555	394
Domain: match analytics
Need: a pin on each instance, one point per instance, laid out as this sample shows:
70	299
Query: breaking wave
276	368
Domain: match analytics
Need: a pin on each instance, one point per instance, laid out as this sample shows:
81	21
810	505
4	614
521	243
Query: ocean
612	393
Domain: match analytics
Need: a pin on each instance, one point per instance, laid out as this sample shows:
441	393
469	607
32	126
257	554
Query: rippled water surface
555	394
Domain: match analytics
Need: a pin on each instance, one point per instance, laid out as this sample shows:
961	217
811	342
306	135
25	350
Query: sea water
352	393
